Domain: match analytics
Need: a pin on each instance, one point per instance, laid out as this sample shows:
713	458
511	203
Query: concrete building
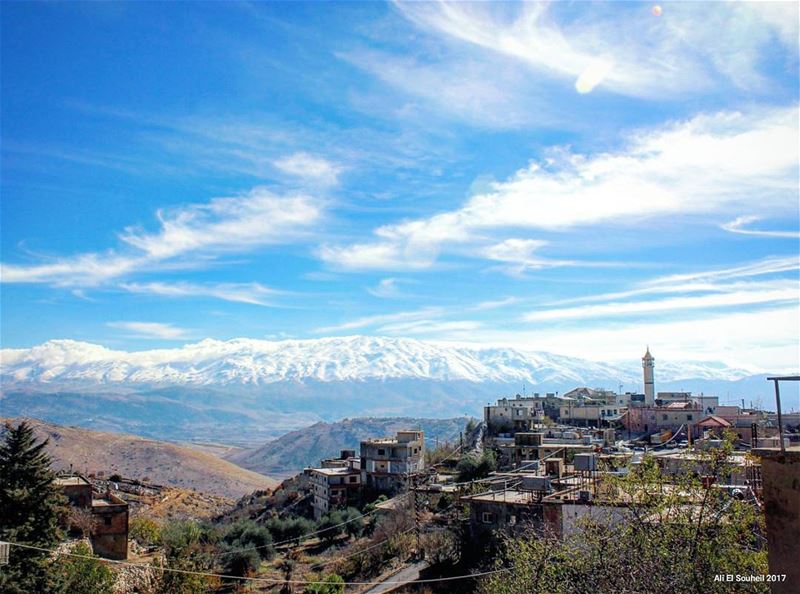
334	488
586	414
109	535
650	419
514	414
648	365
387	463
541	504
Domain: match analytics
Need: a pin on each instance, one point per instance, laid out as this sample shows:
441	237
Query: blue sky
572	177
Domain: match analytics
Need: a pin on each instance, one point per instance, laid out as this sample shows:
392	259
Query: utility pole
417	513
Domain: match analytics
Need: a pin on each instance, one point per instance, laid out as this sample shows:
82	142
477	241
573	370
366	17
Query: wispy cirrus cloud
386	288
740	157
251	293
382	319
309	167
188	236
739	224
703	281
776	293
625	49
151	330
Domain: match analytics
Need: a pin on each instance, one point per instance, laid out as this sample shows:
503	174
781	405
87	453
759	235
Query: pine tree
30	506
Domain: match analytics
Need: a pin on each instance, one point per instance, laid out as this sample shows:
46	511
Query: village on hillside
402	514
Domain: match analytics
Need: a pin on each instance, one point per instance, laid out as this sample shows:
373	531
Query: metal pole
780	418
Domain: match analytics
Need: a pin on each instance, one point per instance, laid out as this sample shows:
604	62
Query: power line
255	579
305	536
362	551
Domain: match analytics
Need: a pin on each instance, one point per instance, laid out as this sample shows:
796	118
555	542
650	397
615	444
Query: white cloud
444	329
386	289
738	226
382	319
256	218
771	265
765	338
705	281
760	293
252	293
709	164
188	235
151	330
691	47
484	93
309	167
495	304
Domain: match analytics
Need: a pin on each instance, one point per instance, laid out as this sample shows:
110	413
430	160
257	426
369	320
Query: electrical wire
306	536
272	581
362	551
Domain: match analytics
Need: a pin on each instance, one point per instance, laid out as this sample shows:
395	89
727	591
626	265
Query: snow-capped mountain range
248	362
244	391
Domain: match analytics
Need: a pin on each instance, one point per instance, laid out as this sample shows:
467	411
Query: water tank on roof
585	462
536	483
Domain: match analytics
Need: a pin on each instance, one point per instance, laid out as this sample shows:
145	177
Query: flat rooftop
339	471
68	481
511	496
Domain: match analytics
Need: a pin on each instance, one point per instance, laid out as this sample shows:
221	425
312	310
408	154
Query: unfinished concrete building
336	485
387	463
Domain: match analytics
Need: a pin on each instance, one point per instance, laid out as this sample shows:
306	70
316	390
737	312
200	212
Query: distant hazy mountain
244	391
307	446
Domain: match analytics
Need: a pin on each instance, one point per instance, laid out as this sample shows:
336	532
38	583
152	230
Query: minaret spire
648	365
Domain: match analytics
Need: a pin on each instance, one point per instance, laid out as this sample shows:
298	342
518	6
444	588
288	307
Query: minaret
649	382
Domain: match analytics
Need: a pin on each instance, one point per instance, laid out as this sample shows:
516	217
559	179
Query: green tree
330	525
329	584
240	562
246	534
145	531
187	547
474	466
245	544
84	574
30	507
355	522
674	534
283	529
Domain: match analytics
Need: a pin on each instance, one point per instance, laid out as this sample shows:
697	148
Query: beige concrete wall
780	474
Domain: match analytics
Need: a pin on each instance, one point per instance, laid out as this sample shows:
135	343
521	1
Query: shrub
283	529
474	466
246	534
82	575
145	531
329	584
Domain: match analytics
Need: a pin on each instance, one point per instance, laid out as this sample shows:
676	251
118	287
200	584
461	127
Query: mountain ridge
251	362
133	456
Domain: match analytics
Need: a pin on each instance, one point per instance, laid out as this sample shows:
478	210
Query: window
688	417
353	479
381	452
487	517
107	520
664	417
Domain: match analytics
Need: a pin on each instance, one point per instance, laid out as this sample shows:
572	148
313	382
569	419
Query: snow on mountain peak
245	361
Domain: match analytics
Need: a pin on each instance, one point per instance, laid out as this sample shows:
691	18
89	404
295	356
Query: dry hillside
294	451
160	462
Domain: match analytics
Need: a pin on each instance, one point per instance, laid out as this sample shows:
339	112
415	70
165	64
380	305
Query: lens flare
657	10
